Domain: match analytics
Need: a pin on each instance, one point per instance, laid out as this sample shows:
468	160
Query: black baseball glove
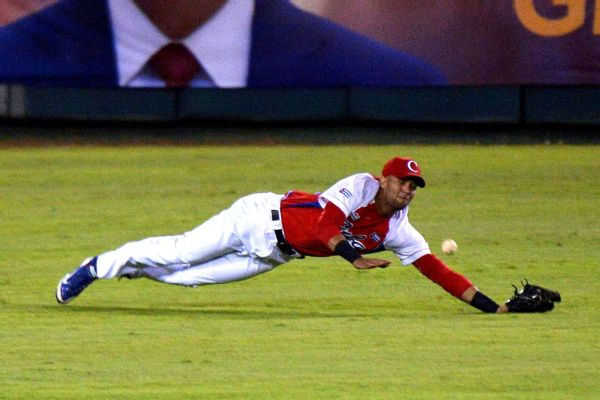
532	298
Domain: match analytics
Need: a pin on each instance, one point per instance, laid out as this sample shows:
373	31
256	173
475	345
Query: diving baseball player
357	216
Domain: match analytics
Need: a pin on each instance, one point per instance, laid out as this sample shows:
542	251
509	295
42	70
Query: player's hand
369	263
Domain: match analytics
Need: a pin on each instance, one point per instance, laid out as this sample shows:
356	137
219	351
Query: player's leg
228	268
212	239
240	230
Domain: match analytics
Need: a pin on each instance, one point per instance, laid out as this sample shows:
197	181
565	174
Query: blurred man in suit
216	43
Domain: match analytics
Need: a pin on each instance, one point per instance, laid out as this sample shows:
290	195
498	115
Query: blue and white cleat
75	282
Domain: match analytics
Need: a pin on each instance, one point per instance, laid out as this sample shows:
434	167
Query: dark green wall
513	105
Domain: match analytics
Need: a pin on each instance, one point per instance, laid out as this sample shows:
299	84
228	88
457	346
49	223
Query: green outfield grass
311	329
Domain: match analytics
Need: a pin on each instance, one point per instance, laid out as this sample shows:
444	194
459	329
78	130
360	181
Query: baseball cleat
72	284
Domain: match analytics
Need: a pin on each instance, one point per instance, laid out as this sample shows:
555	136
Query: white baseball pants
236	244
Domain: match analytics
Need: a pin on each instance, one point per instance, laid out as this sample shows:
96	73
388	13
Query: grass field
310	329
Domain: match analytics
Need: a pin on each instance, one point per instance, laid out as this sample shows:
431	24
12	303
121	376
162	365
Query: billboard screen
300	43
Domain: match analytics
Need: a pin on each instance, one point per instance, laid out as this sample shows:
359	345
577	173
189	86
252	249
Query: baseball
449	246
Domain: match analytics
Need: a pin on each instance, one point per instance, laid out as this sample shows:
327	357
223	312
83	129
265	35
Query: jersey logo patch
375	237
346	193
355	240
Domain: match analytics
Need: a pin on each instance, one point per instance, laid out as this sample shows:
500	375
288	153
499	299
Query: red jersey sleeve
436	270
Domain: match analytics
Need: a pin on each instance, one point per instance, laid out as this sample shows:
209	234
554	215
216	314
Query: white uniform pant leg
213	239
214	252
228	268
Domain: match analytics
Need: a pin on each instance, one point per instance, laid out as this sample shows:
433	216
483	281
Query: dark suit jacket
71	44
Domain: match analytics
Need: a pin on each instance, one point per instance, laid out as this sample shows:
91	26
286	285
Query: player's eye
411	185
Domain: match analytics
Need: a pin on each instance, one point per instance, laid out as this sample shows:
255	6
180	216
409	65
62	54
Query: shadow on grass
220	310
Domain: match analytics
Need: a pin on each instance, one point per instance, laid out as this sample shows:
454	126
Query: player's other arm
329	233
456	284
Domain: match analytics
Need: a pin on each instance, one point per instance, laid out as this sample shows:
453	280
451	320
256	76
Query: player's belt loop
283	245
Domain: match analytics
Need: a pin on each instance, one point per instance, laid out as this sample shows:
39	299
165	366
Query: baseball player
358	215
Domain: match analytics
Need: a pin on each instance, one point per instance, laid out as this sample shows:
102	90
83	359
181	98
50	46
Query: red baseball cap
403	168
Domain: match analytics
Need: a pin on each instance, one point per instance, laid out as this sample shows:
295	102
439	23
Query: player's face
397	193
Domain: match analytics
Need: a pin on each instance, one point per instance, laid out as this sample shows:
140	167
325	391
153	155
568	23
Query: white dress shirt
221	45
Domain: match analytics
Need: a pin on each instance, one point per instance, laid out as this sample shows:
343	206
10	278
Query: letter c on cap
412	165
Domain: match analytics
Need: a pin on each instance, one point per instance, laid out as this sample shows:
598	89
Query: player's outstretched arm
480	301
531	298
456	284
343	248
368	263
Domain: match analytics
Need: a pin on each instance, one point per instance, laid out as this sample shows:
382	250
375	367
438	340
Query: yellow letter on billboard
597	18
543	26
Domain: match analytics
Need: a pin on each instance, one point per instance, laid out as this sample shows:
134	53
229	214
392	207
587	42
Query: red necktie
175	64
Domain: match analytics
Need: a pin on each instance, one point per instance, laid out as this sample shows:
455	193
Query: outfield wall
509	105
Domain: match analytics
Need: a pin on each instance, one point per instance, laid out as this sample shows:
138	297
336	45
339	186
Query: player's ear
383	181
